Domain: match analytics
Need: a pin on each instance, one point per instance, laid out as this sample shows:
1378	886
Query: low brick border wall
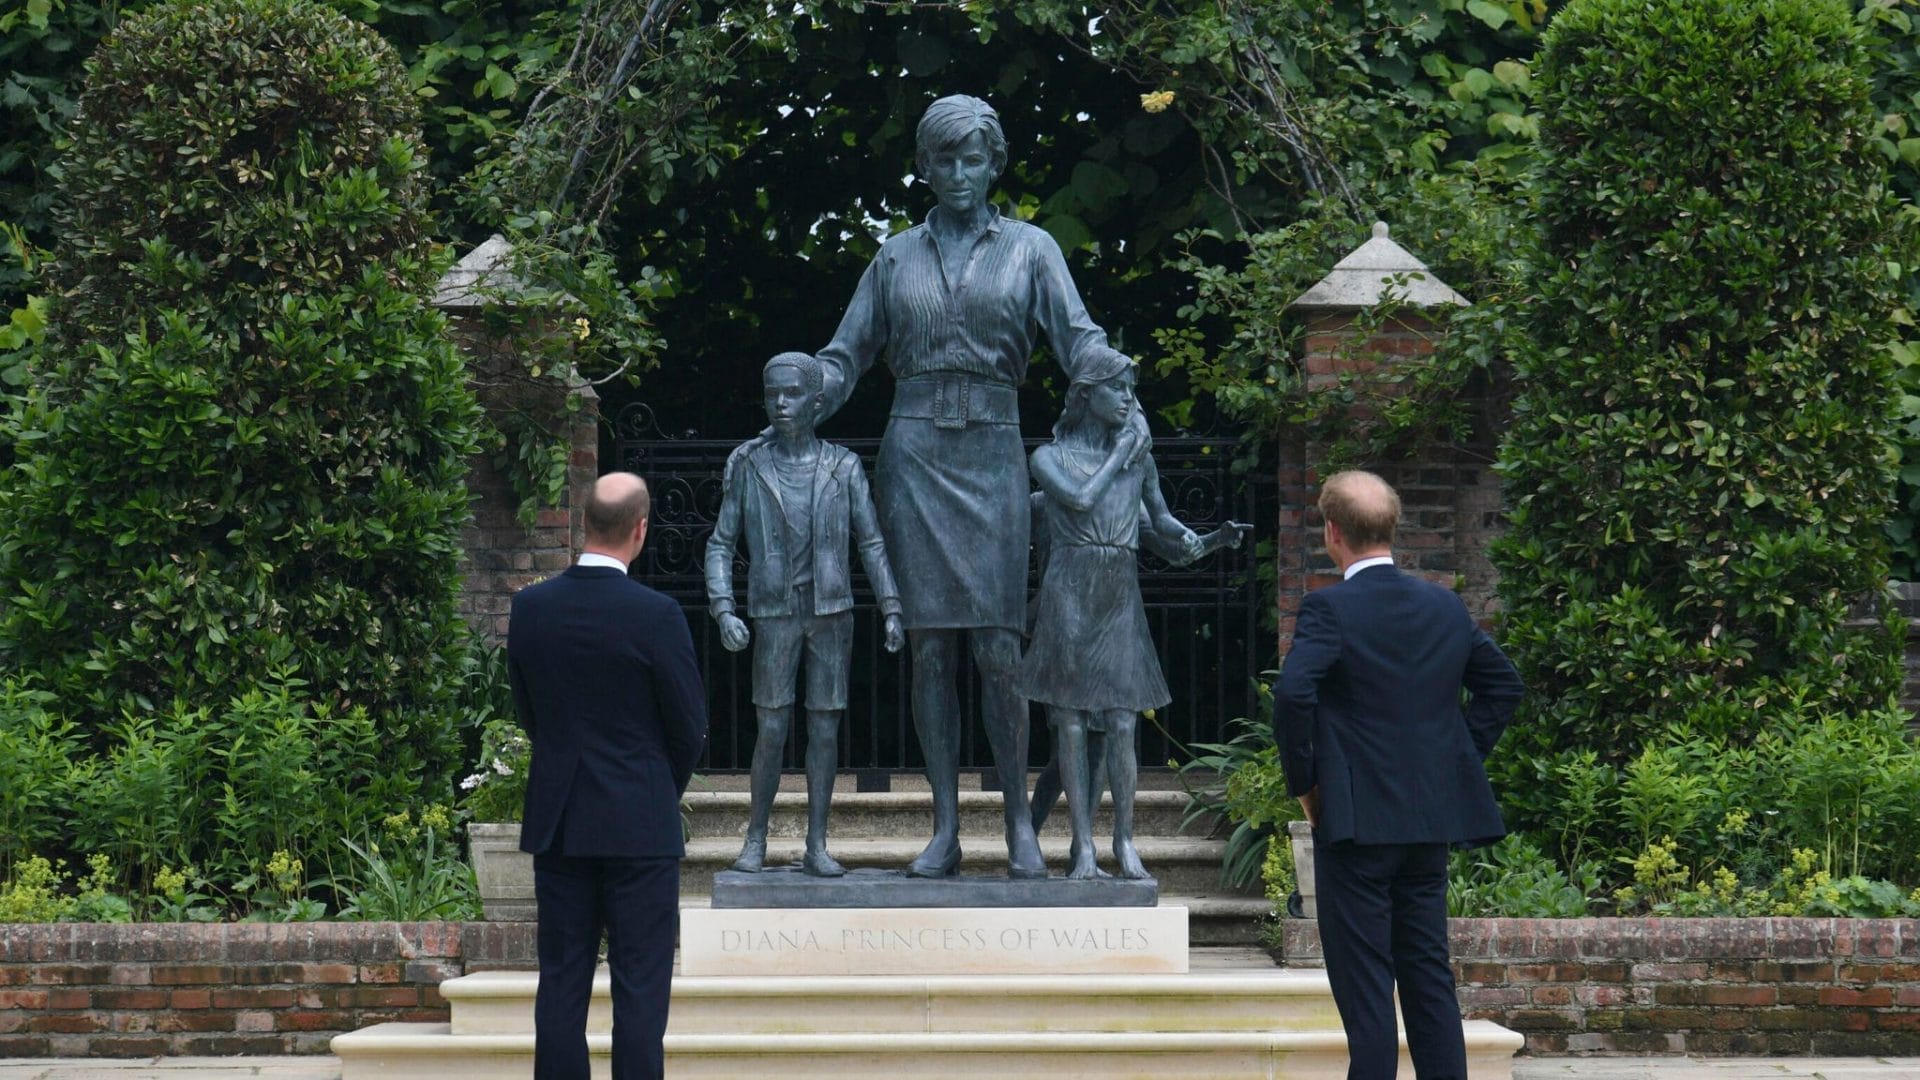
110	990
1700	986
1704	986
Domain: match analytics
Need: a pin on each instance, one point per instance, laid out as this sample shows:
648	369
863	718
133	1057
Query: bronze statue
955	306
796	499
1092	662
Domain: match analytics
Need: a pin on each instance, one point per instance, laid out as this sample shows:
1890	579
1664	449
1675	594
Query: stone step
1189	866
397	1051
856	815
1276	999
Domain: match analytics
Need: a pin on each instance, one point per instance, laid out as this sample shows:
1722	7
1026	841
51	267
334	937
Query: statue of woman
954	306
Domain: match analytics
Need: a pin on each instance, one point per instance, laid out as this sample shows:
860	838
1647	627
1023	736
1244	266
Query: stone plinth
933	941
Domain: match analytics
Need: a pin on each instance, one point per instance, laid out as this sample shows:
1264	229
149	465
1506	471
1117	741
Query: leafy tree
1698	467
242	458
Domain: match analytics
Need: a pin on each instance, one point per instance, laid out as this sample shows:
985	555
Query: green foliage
496	789
35	892
1699	461
1693	826
1239	783
417	878
1514	879
37	750
235	513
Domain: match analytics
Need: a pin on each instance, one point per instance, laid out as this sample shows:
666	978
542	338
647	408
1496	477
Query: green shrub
234	522
1699	463
37	749
1514	879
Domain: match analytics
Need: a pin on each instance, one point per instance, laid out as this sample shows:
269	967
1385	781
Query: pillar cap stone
1376	272
482	279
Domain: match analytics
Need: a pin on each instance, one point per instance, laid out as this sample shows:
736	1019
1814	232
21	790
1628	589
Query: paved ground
1614	1068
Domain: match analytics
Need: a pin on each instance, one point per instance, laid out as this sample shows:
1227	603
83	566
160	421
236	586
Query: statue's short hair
947	123
808	365
613	520
1364	507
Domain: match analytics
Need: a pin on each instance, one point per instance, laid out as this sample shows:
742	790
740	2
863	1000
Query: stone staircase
887	829
1233	1015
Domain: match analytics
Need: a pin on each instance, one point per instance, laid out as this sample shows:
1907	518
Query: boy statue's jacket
750	505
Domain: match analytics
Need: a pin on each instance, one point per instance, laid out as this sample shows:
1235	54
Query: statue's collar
993	220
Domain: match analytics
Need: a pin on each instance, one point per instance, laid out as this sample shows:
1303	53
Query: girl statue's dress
1090	648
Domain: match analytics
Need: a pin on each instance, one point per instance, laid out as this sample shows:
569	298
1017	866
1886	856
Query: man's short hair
809	369
614	520
1362	506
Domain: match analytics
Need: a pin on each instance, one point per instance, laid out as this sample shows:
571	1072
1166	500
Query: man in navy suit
1389	769
605	682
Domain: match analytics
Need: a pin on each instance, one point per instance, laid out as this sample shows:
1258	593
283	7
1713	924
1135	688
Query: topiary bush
240	478
1699	466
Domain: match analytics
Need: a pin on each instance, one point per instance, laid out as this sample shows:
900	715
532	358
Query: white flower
502	767
473	781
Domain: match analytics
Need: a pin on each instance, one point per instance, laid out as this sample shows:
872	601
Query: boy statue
796	499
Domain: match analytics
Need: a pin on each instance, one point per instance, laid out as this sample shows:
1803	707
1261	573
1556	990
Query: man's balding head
618	505
1363	507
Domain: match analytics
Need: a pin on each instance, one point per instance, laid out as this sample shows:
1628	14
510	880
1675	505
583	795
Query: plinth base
933	941
788	887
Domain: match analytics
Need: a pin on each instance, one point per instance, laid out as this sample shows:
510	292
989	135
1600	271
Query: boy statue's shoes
821	864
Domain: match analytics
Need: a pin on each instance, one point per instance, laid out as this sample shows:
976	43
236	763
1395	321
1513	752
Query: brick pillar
501	555
1449	495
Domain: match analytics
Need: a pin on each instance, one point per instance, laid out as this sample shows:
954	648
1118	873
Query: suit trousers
1383	920
636	902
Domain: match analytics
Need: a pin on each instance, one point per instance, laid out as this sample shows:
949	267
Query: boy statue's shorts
781	640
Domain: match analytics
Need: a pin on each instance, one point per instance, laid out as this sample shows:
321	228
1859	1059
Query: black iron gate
1205	618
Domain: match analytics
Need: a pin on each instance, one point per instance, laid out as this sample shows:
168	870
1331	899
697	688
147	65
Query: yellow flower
1157	101
581	328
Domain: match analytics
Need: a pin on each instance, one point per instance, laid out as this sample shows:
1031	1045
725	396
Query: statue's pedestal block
787	887
933	941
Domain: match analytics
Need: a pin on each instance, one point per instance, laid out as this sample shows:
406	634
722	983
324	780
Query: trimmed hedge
234	527
1700	461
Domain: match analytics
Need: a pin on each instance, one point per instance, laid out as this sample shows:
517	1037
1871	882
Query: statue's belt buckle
952	401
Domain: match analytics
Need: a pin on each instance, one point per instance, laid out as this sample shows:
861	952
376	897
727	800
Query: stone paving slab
1525	1068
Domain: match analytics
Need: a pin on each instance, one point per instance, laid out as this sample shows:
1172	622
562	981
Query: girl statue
1091	661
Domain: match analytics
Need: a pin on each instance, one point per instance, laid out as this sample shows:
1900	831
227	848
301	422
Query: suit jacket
1368	709
751	506
606	685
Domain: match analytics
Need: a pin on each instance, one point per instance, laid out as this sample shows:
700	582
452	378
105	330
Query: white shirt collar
594	558
1365	564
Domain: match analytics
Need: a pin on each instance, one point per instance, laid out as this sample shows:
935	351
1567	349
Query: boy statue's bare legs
764	781
823	754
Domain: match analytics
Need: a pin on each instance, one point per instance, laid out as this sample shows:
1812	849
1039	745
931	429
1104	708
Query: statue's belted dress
951	484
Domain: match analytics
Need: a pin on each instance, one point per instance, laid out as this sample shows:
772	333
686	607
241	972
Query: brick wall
81	989
1698	986
1702	986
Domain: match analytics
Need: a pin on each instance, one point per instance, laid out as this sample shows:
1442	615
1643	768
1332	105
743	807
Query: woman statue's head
947	123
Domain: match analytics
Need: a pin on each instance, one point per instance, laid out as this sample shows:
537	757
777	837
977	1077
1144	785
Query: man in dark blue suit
1389	769
605	682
